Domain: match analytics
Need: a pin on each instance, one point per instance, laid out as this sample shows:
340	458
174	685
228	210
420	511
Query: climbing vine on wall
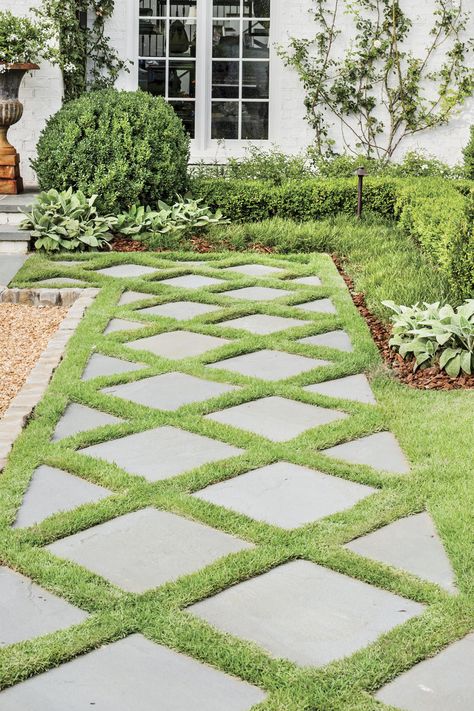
380	90
83	50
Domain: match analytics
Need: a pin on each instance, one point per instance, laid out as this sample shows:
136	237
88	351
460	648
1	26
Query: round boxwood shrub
126	147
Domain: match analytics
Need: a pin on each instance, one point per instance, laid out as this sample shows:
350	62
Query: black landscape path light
361	173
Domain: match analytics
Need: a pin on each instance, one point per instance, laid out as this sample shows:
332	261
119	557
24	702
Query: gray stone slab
106	365
52	491
191	263
411	544
130	297
27	610
69	262
257	293
178	344
162	452
269	365
333	339
128	271
353	387
379	451
147	548
121	324
10	264
285	494
443	683
276	418
180	310
169	391
133	674
308	280
191	281
306	613
79	418
255	269
63	280
320	306
263	324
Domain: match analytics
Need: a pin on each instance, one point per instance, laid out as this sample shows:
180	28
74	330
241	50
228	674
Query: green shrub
469	157
125	147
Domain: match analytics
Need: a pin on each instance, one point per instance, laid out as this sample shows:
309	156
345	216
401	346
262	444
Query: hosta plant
67	220
433	333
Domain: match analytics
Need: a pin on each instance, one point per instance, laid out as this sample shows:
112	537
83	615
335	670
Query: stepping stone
127	271
169	391
191	263
69	263
106	365
254	269
285	494
191	281
333	339
269	365
442	683
27	610
256	293
276	418
147	548
79	418
120	324
353	387
63	280
262	324
132	673
411	544
180	310
308	280
52	491
130	297
306	613
379	451
320	306
178	344
161	453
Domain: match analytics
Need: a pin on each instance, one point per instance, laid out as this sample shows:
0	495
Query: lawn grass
434	429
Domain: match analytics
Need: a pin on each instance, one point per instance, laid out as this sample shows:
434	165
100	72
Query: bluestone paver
107	365
70	262
162	452
180	310
257	293
255	270
320	306
79	418
63	280
128	271
379	451
10	264
147	548
285	494
133	673
262	324
333	339
352	387
191	281
306	613
269	365
178	344
130	297
120	324
308	280
52	491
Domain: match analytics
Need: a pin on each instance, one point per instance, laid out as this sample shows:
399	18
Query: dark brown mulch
428	378
197	244
125	244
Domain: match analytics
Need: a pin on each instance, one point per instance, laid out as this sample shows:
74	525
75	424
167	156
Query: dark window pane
151	76
255	120
186	111
257	8
182	79
226	39
182	39
255	80
185	9
226	8
225	80
152	38
225	119
153	8
255	39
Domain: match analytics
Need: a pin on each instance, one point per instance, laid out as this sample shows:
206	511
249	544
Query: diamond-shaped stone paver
333	339
276	418
320	306
69	262
308	280
262	324
379	451
129	271
306	613
79	418
443	683
411	544
107	365
180	310
285	494
63	280
147	548
269	365
162	452
27	610
257	293
133	673
52	491
191	263
178	344
353	387
191	281
130	297
255	270
121	324
169	391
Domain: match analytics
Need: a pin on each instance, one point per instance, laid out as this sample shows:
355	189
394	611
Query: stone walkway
213	418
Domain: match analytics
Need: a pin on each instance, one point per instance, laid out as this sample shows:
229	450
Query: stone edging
23	404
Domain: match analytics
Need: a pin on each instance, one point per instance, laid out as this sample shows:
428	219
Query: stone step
13	240
10	264
14	203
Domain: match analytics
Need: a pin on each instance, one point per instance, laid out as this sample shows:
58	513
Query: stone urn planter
11	110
